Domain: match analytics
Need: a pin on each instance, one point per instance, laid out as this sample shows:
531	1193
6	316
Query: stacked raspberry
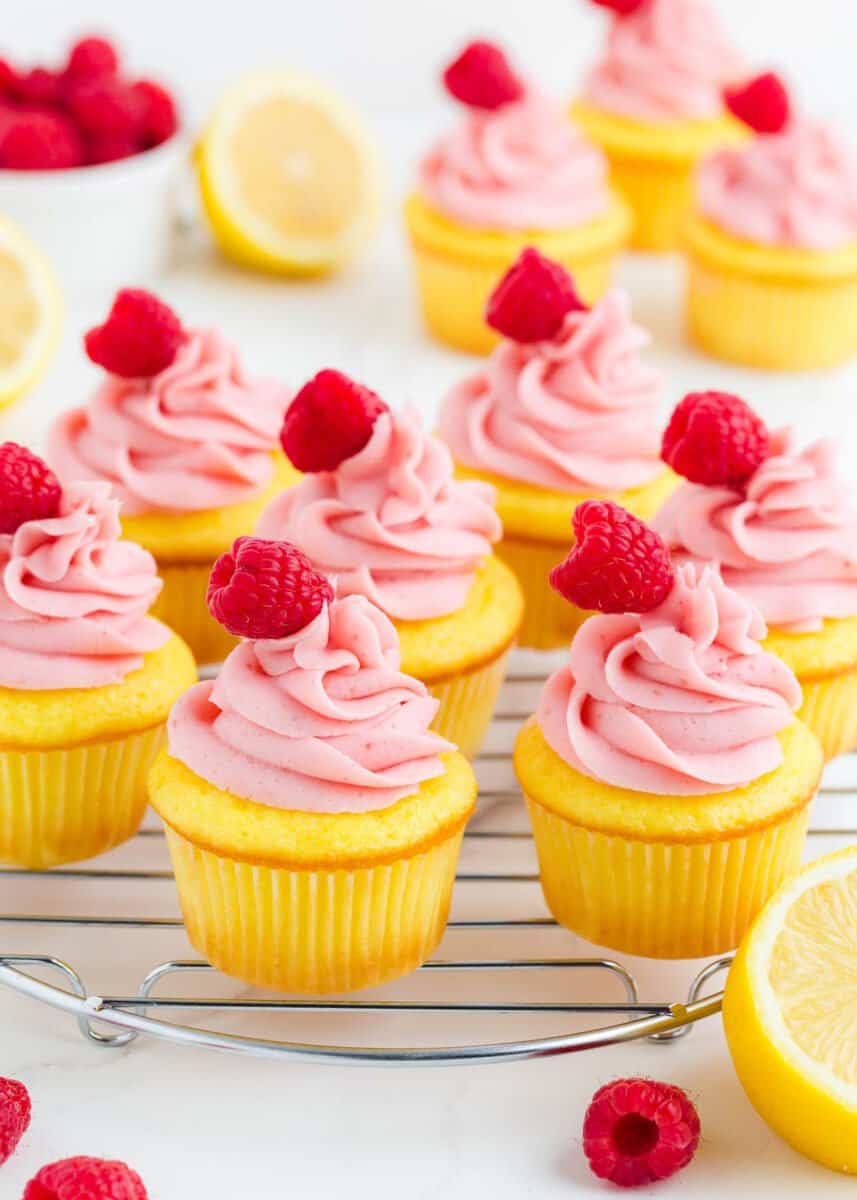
85	112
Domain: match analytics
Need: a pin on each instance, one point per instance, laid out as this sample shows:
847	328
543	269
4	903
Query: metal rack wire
119	911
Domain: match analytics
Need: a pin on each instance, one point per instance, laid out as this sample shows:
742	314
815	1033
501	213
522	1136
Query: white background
200	1125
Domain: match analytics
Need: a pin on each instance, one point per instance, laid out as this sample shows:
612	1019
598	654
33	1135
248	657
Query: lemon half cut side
30	313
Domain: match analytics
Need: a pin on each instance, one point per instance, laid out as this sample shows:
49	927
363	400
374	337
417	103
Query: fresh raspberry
763	103
40	141
15	1110
140	337
624	8
110	147
86	1179
264	589
531	301
91	58
330	419
29	490
617	565
482	78
41	87
104	108
637	1131
715	438
157	119
8	78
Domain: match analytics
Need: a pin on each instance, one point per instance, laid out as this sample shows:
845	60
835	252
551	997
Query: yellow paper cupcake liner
830	710
467	704
662	899
660	195
71	803
549	621
314	931
181	605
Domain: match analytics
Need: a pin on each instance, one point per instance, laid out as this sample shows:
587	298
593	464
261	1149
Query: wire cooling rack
526	987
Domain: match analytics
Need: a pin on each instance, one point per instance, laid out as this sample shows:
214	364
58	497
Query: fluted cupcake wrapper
830	710
660	195
70	803
662	899
182	606
314	931
467	704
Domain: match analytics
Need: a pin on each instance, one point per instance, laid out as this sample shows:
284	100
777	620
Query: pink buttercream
74	598
392	523
669	60
789	544
198	435
522	166
681	701
795	188
321	721
577	413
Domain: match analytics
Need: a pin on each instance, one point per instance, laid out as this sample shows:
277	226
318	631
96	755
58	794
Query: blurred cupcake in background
513	173
380	511
772	248
654	103
565	409
188	441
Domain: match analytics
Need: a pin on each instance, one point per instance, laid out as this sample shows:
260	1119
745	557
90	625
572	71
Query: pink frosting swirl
198	435
73	597
795	188
681	701
521	166
392	523
789	544
321	721
576	413
669	60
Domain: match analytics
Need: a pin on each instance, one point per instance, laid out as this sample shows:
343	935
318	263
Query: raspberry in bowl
88	160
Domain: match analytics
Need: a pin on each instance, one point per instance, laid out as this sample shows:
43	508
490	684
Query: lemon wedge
289	175
30	313
790	1012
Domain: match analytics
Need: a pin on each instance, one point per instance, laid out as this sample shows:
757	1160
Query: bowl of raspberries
89	157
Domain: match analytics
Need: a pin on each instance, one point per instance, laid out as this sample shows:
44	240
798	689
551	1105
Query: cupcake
783	528
564	410
313	820
667	779
772	247
87	678
515	172
188	441
654	103
380	510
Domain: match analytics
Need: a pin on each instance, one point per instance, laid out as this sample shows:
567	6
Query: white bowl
103	226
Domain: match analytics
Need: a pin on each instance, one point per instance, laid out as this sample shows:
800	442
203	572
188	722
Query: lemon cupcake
86	677
514	173
189	442
667	780
781	524
314	821
380	510
564	410
772	247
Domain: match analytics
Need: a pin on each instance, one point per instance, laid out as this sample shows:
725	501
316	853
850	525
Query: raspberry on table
91	58
715	438
85	1178
157	119
638	1131
40	141
617	564
330	419
266	589
141	336
29	490
481	77
532	300
762	103
15	1112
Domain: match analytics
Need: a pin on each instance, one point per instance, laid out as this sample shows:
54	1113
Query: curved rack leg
78	989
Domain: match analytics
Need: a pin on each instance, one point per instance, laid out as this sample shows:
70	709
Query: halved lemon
289	175
790	1012
30	312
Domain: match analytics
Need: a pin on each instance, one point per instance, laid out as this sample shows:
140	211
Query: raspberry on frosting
330	420
715	438
532	300
481	77
617	565
762	103
266	589
637	1131
29	490
15	1112
83	1178
141	336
